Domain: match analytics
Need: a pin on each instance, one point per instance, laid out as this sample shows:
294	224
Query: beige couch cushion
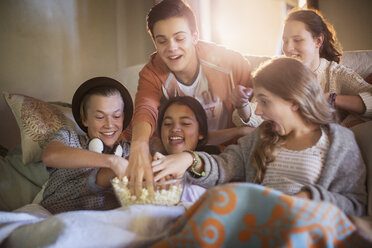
359	61
363	136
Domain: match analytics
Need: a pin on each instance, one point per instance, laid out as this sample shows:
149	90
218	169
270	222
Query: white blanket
135	226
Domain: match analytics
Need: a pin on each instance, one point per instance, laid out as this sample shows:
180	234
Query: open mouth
174	58
108	134
175	140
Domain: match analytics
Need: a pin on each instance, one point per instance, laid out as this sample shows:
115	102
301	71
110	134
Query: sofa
22	173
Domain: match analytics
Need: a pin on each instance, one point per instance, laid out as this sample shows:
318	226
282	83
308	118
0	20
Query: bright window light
248	26
301	3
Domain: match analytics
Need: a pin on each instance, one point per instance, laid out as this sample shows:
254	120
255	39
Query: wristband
195	163
332	98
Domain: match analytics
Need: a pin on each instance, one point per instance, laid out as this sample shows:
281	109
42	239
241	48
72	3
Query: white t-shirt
217	114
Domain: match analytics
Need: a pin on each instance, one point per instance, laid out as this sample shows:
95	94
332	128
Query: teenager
308	37
79	178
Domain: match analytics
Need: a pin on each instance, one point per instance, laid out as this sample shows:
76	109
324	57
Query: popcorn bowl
167	193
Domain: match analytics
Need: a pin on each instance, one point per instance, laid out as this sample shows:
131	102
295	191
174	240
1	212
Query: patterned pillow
37	121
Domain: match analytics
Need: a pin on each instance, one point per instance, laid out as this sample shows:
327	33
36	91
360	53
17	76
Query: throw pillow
37	121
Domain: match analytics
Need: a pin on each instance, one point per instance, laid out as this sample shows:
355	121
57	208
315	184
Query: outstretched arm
57	155
220	136
174	165
139	168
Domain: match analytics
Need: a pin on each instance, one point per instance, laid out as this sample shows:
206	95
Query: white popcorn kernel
161	197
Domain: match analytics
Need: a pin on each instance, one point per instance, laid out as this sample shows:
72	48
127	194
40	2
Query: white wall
49	47
352	21
248	26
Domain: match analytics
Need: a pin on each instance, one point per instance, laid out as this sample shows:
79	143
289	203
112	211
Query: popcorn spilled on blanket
167	193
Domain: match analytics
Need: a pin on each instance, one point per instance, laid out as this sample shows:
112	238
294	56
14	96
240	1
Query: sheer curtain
248	26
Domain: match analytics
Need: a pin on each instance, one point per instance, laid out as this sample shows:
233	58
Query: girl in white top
308	37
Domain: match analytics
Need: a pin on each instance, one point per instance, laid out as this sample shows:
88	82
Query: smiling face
104	118
281	113
175	45
179	129
299	43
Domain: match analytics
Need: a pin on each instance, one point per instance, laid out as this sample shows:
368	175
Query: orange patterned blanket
249	215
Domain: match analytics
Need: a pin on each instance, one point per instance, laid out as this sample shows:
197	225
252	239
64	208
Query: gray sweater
342	180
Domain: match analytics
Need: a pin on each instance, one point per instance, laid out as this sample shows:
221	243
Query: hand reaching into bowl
174	165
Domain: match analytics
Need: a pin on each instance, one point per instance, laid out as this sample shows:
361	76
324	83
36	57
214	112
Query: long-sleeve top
223	69
337	78
342	180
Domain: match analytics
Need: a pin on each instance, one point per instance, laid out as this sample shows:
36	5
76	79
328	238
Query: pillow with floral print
37	121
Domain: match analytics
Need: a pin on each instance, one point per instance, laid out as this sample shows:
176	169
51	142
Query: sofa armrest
363	136
359	61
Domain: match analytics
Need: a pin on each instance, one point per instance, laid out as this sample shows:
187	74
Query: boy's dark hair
167	9
198	110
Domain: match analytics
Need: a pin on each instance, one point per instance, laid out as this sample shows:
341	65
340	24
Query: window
248	26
